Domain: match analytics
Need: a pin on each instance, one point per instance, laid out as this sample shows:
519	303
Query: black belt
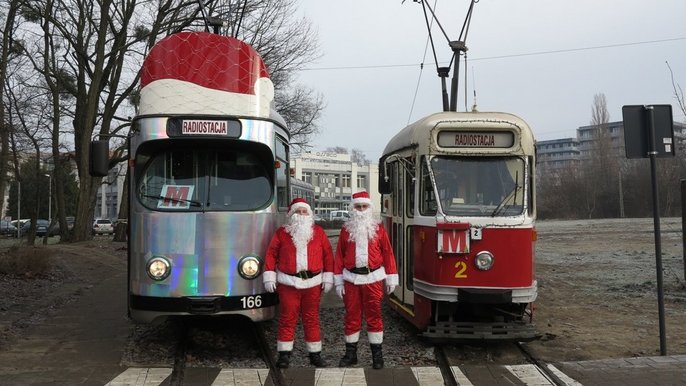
363	270
305	274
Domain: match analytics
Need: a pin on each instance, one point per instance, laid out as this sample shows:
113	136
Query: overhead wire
429	38
465	31
374	66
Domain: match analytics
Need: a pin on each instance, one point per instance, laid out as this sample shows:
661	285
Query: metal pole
656	222
18	209
49	197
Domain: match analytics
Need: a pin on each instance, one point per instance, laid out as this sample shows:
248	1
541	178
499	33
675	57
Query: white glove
390	288
326	286
270	286
340	290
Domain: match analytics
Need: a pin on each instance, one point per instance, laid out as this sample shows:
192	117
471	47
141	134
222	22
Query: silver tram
209	161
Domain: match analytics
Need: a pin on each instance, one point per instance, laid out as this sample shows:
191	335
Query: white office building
335	178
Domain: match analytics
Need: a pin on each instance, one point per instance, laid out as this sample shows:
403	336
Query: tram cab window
469	186
195	178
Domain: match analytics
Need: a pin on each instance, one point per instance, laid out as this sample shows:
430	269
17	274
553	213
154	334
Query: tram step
481	331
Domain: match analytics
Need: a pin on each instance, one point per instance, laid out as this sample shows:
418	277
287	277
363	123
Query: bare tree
286	44
600	171
337	150
6	46
94	45
678	92
26	112
359	157
88	54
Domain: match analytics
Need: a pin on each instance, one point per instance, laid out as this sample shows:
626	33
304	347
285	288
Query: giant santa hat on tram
201	72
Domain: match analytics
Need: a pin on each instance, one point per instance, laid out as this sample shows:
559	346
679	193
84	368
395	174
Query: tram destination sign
495	139
201	127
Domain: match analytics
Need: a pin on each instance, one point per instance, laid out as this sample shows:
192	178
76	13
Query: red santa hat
299	202
361	198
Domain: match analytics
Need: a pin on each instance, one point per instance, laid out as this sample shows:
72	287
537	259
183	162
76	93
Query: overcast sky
540	59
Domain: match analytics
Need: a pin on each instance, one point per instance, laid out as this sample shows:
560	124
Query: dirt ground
597	295
597	288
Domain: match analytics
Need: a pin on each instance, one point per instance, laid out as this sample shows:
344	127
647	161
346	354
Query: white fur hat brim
300	205
362	200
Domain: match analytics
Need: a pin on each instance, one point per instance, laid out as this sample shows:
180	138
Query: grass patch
26	261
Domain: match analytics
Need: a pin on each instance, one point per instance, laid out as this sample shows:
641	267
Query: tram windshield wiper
512	195
173	199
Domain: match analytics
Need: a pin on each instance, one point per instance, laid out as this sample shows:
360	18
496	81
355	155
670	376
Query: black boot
377	356
284	359
316	359
350	357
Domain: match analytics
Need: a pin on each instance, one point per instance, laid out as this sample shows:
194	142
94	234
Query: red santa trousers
364	298
295	302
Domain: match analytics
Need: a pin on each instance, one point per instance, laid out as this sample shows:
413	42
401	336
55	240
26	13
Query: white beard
361	225
301	229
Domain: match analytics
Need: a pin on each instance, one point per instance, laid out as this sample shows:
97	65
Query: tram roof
419	133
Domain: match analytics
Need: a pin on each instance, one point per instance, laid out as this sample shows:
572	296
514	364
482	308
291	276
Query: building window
362	182
307	177
345	181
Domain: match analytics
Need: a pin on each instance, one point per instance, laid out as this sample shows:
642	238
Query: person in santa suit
364	268
299	265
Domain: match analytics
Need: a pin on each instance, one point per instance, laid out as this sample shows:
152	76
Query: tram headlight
158	268
249	267
484	260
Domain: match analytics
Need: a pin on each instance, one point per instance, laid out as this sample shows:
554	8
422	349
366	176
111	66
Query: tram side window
426	191
409	188
396	172
282	174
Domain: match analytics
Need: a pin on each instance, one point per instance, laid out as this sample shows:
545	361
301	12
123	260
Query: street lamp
49	198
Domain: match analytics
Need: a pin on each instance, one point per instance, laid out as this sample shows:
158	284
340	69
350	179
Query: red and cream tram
458	199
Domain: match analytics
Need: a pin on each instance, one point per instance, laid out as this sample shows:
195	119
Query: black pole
457	47
443	74
656	224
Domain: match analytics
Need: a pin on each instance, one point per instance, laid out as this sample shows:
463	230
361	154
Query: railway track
188	331
519	363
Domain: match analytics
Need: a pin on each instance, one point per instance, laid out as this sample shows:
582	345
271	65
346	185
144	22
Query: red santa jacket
379	258
281	261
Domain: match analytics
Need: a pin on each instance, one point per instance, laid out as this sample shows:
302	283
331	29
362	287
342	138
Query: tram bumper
487	314
150	309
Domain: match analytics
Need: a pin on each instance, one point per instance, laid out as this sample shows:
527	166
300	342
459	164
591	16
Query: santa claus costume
299	258
364	260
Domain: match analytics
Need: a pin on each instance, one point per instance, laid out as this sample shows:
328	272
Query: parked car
70	222
339	215
103	227
41	227
7	229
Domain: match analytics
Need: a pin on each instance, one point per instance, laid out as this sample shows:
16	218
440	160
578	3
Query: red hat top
361	198
298	202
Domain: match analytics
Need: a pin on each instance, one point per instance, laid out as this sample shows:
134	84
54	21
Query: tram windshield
468	186
196	178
